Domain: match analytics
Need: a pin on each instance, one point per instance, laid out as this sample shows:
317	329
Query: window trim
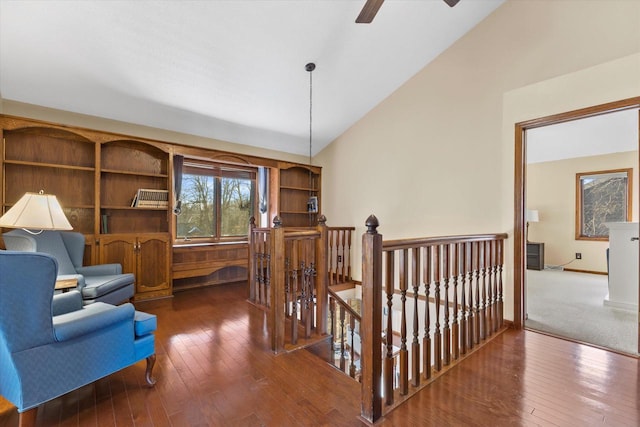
579	201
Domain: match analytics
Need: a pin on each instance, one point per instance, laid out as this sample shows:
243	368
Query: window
216	201
601	197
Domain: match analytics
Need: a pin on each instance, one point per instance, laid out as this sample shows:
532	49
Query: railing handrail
344	304
261	229
392	245
300	234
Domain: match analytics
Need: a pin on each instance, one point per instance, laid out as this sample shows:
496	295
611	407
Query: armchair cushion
67	302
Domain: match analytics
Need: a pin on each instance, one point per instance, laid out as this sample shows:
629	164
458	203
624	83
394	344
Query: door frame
520	196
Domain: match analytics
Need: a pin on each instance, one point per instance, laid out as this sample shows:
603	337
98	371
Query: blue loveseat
51	345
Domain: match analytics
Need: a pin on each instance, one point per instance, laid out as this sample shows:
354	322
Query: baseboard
575	270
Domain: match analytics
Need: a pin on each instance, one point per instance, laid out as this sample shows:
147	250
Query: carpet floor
570	305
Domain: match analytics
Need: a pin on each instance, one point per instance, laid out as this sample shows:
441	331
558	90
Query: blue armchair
51	345
104	282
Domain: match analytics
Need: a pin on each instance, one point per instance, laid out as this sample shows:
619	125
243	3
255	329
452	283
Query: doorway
553	262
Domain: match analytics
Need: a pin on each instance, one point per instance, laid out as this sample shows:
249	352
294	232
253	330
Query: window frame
579	209
219	170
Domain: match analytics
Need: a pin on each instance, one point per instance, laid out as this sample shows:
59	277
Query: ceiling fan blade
369	11
451	3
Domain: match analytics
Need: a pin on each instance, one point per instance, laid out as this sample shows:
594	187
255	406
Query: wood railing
455	289
344	327
288	276
340	240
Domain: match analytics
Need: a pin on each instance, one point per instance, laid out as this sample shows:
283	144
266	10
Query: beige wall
437	156
551	189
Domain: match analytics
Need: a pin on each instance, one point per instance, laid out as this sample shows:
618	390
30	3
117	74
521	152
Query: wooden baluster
297	262
470	302
321	276
333	257
309	283
347	256
332	332
260	270
437	337
483	285
494	287
415	345
288	292
293	289
342	359
476	318
426	339
261	260
489	301
464	325
352	353
266	299
389	365
404	353
500	296
253	277
341	251
446	333
455	334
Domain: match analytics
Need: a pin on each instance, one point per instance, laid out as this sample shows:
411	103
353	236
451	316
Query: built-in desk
196	265
623	265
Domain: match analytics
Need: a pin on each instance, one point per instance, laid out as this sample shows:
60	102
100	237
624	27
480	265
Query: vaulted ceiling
229	70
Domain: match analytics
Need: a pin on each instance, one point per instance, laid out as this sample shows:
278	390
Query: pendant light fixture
312	204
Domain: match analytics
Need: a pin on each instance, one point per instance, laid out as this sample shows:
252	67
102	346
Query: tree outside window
217	202
602	197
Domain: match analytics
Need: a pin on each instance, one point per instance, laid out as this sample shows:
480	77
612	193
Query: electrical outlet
578	255
339	258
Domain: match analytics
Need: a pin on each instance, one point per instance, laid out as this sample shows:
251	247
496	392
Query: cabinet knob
634	239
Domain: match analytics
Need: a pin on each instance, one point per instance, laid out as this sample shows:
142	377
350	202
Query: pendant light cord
310	67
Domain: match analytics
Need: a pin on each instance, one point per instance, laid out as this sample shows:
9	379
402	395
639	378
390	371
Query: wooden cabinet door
153	263
119	249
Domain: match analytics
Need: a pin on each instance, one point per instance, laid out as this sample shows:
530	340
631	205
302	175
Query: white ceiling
607	133
230	70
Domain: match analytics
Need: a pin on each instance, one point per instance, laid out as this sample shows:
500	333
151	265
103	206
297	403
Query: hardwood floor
214	368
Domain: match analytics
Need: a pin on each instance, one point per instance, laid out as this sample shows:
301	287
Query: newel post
277	312
371	325
252	261
322	276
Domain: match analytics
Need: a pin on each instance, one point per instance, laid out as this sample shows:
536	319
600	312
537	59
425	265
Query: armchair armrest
66	303
100	270
78	277
91	318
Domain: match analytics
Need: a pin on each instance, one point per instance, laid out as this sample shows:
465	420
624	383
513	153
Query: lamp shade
36	212
531	215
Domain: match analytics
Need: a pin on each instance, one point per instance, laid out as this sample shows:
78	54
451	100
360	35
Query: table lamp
531	215
36	211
